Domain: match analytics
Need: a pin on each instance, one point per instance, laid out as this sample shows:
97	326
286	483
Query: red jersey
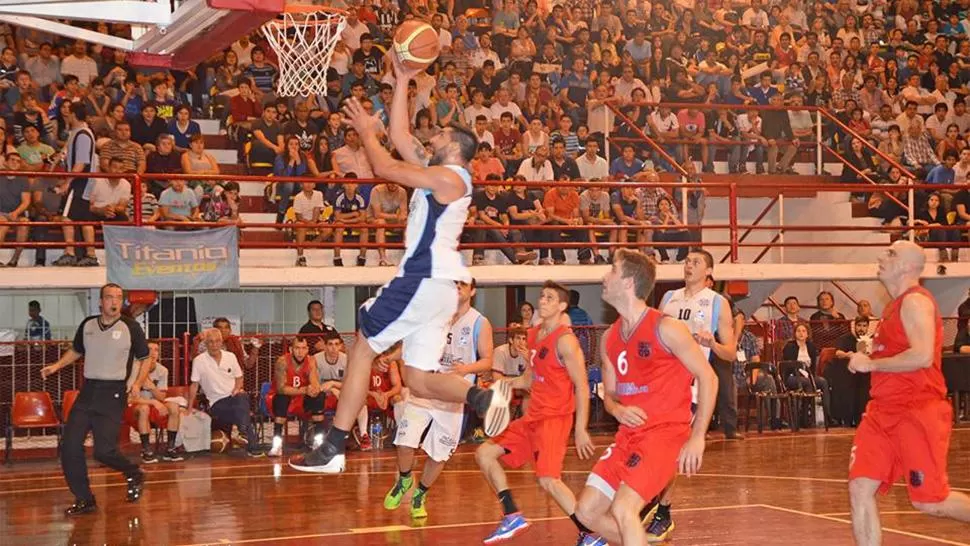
296	375
648	375
380	381
902	389
552	389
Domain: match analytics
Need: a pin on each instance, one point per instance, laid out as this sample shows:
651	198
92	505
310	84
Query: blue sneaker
510	526
660	527
591	540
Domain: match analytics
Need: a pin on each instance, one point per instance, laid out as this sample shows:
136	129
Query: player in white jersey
708	315
467	354
418	304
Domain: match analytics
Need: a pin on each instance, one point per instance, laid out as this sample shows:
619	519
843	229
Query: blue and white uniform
417	306
442	420
701	312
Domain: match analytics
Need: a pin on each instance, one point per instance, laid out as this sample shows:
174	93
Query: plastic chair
31	410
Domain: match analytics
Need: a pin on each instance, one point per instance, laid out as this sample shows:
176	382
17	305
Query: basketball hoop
304	39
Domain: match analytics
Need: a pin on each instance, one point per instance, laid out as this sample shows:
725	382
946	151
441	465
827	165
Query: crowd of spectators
553	89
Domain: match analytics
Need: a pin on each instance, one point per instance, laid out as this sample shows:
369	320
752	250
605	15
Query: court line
406	528
849	522
881	513
794	478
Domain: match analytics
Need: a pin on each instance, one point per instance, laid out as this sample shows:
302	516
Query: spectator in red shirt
244	107
562	207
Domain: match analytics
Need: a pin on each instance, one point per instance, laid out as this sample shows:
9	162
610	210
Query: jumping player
905	431
557	377
708	317
418	304
295	390
649	361
468	353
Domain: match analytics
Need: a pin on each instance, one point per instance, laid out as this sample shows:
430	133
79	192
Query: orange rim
309	8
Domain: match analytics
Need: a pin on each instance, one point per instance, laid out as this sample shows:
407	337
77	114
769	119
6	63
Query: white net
304	44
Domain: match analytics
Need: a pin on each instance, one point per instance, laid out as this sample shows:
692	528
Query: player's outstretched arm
918	317
572	356
446	185
399	131
678	338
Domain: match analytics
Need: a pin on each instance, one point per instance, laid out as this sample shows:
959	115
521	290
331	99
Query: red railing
734	227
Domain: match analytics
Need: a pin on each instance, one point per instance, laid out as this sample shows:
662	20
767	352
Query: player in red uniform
296	390
649	362
905	432
557	377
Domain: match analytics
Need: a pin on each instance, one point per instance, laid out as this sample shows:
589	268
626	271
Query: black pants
234	410
99	408
727	395
798	382
496	236
311	404
572	236
672	236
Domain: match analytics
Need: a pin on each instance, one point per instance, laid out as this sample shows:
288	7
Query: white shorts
444	428
415	310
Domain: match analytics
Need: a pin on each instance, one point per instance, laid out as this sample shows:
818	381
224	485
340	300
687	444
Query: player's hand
382	363
47	371
691	456
359	119
336	393
401	72
162	410
705	339
630	416
313	391
860	363
584	444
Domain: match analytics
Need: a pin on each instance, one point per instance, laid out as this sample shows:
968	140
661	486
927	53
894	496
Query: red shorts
644	461
542	440
154	417
909	443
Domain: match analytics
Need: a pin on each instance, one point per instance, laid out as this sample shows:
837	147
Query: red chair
824	359
31	410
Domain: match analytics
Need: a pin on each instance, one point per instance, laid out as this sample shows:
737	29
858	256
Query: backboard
161	36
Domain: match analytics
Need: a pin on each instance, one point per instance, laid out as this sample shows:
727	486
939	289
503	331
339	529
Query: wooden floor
770	489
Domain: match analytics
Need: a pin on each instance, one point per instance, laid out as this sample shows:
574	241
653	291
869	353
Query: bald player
905	432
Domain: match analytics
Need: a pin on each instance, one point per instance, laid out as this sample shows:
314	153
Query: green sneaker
418	502
394	497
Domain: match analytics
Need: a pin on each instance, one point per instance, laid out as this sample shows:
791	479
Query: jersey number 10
684	314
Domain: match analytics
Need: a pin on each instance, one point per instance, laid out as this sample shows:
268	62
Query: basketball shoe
418	504
661	526
401	487
510	526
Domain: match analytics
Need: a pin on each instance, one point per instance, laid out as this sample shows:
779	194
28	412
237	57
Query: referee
109	343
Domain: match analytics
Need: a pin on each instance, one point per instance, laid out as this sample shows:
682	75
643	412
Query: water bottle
376	433
698	324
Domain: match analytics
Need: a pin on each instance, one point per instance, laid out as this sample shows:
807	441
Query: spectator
751	129
777	130
110	196
97	101
351	158
38	329
14	202
121	147
105	129
80	65
149	206
760	379
318	331
134	98
217	373
671	229
934	215
509	360
295	389
590	164
179	203
627	165
388	205
182	127
562	208
79	159
493	211
29	113
537	169
146	128
244	108
289	163
36	155
350	207
308	212
232	343
262	75
828	322
302	127
508	143
45	70
485	163
267	141
804	376
627	211
525	208
70	94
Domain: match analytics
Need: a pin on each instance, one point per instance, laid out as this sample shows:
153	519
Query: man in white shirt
755	17
503	104
80	65
109	197
476	109
482	132
590	164
665	127
537	169
244	51
485	53
937	123
308	207
959	116
218	373
624	85
353	31
351	158
962	167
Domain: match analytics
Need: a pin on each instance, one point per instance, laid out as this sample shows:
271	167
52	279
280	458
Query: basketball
416	44
219	442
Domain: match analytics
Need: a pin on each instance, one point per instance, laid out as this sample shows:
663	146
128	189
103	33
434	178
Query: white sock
362	421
